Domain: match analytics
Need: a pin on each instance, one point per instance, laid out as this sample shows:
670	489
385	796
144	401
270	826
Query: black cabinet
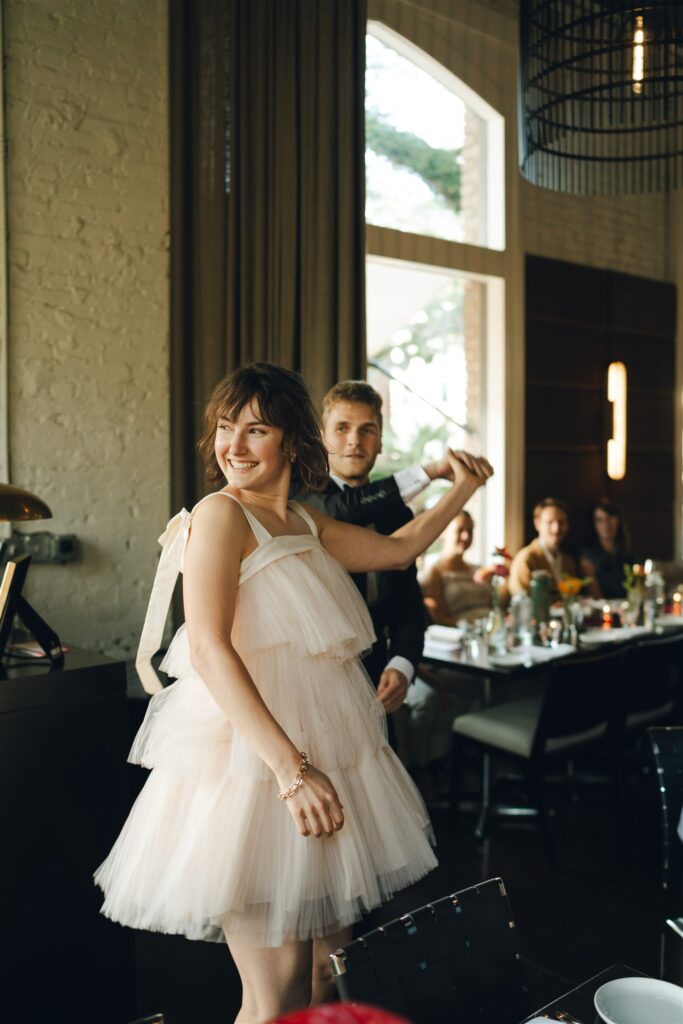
63	798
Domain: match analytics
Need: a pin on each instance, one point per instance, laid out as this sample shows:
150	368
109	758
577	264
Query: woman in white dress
270	700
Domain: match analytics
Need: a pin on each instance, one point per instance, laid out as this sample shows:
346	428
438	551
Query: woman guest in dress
450	588
607	553
276	813
451	593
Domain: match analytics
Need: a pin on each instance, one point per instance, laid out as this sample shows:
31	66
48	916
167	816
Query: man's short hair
353	391
551	503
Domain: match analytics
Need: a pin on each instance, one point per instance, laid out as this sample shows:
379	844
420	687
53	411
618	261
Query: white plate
669	620
509	660
611	636
639	1001
549	653
598	603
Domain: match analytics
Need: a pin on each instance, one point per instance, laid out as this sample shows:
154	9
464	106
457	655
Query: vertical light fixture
638	55
616	446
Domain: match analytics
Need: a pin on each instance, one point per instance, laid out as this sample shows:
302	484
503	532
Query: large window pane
427	150
425	331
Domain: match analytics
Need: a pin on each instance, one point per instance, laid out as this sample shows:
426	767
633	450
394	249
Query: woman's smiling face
249	451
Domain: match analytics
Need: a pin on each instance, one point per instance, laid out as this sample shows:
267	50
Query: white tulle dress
208	846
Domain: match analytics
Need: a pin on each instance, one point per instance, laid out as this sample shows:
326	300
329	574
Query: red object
341	1013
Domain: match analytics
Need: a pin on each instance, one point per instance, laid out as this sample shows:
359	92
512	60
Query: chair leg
455	775
536	788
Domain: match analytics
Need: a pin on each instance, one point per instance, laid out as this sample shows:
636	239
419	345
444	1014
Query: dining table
576	1006
452	648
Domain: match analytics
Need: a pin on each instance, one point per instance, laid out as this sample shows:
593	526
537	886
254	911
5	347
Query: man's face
552	525
352	436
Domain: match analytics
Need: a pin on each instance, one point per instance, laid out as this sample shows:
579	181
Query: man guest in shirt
352	432
551	522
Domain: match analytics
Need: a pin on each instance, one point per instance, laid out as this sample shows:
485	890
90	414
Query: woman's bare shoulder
219	512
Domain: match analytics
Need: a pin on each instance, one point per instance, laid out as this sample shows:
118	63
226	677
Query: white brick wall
87	181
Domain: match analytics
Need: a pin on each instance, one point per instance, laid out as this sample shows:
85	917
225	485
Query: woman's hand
315	805
467	466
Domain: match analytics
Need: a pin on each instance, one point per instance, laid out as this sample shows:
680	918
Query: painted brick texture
87	182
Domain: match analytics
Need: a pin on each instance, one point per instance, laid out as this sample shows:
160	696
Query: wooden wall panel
578	320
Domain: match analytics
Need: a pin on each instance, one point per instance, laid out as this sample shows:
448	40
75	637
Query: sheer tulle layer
189	859
327	708
308	604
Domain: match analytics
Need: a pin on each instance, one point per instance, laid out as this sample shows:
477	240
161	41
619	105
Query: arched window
434	191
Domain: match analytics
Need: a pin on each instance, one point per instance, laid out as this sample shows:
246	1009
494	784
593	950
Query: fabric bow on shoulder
173	541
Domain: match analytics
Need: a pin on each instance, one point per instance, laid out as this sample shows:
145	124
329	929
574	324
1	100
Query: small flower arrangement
634	578
497	571
571	586
501	562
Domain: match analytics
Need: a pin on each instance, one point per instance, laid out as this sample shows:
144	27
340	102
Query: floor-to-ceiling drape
267	219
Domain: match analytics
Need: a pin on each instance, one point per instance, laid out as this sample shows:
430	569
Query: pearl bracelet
298	779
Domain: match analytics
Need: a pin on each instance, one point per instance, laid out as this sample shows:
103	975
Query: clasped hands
444	468
474	465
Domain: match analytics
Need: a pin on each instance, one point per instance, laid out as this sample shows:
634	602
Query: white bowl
639	1001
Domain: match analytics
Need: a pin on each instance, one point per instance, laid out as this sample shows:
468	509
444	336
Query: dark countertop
81	676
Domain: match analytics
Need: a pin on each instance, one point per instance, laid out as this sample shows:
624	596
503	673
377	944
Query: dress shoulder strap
258	529
300	510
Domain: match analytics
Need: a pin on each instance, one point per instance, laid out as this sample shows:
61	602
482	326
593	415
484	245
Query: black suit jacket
398	613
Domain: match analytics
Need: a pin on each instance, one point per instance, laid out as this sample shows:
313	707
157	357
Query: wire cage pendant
601	95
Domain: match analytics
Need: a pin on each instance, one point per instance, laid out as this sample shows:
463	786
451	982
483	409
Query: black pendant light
601	95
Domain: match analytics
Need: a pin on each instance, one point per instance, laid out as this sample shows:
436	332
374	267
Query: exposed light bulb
638	55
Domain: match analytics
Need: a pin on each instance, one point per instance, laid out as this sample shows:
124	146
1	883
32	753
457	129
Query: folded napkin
444	634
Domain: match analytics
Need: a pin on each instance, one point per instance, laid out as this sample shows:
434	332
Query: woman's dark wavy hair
284	402
623	537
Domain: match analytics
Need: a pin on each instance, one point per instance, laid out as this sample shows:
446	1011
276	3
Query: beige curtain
267	247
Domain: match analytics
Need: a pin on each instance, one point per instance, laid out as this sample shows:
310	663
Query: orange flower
569	586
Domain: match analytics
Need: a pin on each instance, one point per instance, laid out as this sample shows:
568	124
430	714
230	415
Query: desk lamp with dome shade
18	505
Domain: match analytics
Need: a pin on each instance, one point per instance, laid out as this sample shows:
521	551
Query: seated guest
609	550
551	522
438	695
449	590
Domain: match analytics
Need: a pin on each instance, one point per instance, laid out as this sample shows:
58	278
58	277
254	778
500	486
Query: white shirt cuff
404	666
411	482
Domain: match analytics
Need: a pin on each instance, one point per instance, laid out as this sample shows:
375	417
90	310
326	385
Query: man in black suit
352	432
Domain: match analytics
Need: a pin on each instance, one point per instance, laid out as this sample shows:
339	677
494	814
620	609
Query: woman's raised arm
360	550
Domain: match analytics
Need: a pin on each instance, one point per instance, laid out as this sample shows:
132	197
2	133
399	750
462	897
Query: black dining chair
456	959
649	694
667	750
575	710
651	684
